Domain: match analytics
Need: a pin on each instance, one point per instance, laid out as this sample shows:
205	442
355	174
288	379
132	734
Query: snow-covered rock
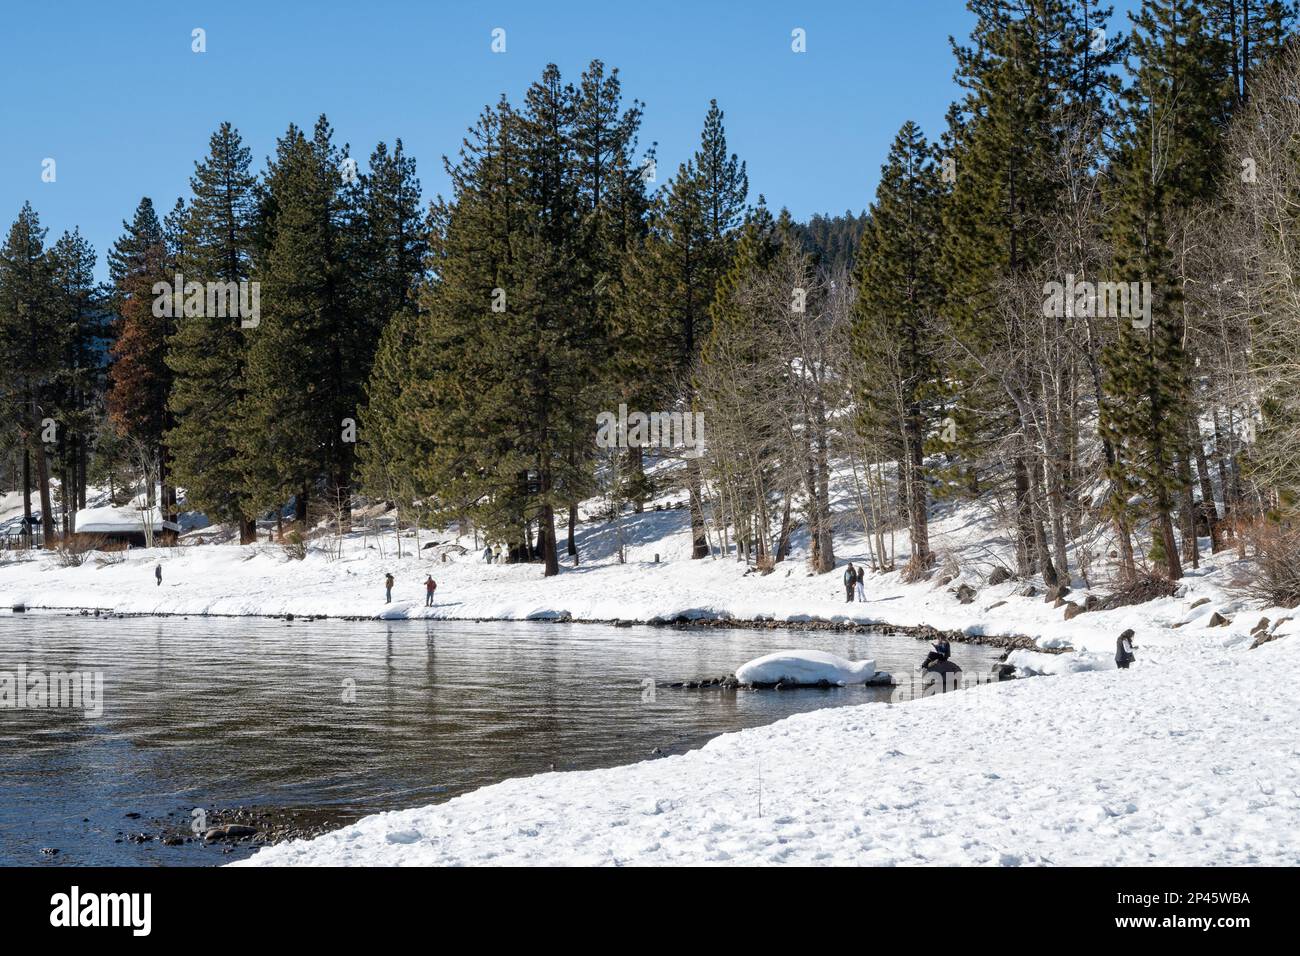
1031	663
804	667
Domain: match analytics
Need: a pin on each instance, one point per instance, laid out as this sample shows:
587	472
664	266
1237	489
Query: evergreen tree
1029	73
513	350
672	281
898	295
80	382
1168	160
206	353
308	358
31	345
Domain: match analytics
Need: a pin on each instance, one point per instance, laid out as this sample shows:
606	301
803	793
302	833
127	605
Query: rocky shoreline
232	828
920	632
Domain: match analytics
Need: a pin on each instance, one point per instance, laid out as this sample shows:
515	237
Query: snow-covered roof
125	520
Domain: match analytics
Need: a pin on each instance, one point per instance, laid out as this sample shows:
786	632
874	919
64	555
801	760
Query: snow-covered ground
263	579
1185	759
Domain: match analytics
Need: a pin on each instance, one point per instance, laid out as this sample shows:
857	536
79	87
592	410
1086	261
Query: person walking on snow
487	555
850	579
1124	650
157	573
388	589
430	585
862	594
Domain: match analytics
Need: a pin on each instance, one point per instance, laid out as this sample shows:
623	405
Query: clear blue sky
113	92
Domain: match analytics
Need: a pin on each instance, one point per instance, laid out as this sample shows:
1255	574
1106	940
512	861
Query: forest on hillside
1078	301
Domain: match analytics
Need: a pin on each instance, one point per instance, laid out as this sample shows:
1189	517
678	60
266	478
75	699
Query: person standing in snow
862	594
388	589
496	554
850	580
487	554
1124	650
430	585
157	573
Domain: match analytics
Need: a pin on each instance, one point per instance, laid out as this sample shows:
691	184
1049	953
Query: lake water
346	718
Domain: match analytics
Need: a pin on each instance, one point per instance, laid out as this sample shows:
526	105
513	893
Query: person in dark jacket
940	651
850	579
1124	650
862	576
157	573
430	585
388	588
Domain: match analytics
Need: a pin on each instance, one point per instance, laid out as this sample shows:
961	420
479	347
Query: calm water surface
349	718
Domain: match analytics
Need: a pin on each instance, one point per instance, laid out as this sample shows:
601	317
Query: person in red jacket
430	585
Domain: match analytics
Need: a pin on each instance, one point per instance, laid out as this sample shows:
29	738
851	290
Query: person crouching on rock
940	651
1124	650
850	580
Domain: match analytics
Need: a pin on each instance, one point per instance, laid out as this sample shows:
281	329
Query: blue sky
113	92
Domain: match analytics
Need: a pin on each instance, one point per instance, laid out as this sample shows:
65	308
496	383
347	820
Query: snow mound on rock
1032	663
804	667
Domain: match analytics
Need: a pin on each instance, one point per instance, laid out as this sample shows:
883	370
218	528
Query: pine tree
308	358
31	344
1031	76
613	204
79	383
139	379
898	296
511	354
673	279
207	353
1168	160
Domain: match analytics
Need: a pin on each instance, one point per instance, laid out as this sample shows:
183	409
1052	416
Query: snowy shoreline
919	632
1182	763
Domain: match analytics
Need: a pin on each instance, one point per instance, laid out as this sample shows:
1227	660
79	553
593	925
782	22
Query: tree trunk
550	557
636	456
1209	509
917	507
247	530
700	543
1166	528
1187	512
27	486
43	486
1025	564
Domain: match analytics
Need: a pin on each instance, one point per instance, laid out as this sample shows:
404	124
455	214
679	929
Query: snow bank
1191	763
804	667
